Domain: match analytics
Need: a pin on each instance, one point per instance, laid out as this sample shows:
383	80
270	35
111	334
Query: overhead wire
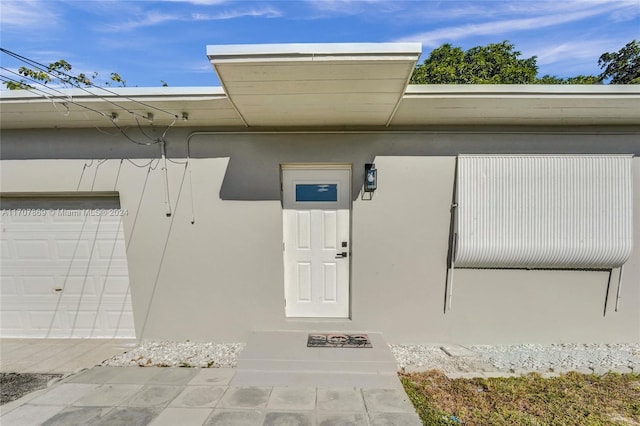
69	79
57	96
74	82
70	100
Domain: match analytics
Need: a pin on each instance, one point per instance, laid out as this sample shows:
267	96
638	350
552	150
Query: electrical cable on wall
82	173
95	175
56	96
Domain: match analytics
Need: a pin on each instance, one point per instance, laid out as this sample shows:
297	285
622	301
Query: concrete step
336	366
282	358
322	379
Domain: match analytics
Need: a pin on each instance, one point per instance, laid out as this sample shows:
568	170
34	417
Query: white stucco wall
221	277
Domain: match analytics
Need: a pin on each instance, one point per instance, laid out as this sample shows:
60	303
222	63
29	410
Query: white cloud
26	14
232	14
199	2
152	18
573	50
547	17
355	7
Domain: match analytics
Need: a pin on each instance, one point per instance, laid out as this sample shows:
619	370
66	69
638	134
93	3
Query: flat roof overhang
315	84
322	86
519	104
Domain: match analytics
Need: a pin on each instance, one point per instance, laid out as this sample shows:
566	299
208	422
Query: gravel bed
14	386
431	357
524	357
560	356
178	354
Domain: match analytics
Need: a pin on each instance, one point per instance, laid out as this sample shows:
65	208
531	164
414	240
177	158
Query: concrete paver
154	396
173	416
29	415
394	419
340	399
76	416
341	419
130	416
133	375
173	376
213	376
292	398
199	396
108	395
235	418
277	418
208	396
125	395
245	397
387	401
64	394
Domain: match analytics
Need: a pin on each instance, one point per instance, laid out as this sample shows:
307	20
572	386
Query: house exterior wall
222	276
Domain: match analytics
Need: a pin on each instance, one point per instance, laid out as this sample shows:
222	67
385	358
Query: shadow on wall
253	172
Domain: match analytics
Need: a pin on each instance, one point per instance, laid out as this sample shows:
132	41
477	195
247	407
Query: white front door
316	217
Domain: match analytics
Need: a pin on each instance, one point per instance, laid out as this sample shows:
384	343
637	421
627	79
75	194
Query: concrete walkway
57	355
193	396
279	381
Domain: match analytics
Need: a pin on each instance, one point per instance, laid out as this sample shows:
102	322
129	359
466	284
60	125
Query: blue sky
150	41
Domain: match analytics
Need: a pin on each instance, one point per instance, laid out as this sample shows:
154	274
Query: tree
496	63
623	66
59	71
579	79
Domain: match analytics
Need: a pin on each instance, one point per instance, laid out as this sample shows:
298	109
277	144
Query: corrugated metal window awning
541	212
544	211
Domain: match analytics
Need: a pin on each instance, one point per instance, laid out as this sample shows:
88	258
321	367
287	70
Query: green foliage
579	79
115	77
623	66
500	63
496	63
59	71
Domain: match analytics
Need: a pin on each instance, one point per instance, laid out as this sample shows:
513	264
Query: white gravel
178	354
560	356
524	357
429	357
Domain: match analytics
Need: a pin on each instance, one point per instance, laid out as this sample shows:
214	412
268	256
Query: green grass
569	399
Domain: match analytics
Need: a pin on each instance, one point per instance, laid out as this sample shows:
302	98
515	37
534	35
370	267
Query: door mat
338	340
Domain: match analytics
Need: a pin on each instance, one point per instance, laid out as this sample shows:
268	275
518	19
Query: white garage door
64	269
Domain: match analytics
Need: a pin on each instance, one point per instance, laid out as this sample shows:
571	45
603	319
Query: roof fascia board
521	89
137	93
313	49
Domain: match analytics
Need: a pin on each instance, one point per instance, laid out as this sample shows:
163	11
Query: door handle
342	255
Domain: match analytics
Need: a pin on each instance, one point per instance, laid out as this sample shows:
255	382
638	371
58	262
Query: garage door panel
38	285
8	287
65	276
11	320
6	251
32	249
79	286
70	249
45	321
108	250
119	320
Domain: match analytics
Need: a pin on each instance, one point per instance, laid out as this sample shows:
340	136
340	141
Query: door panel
316	219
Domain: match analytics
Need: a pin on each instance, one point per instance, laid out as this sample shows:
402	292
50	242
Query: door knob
341	255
